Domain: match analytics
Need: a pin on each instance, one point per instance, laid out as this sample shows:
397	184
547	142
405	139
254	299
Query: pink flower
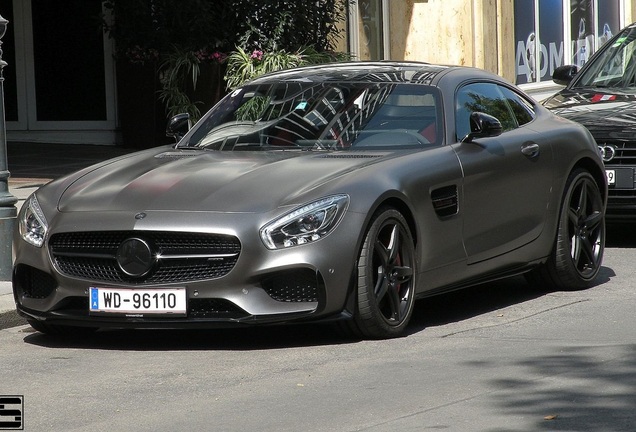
219	57
257	54
204	55
136	54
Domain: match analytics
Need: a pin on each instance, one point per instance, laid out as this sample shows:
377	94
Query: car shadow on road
471	302
225	339
481	299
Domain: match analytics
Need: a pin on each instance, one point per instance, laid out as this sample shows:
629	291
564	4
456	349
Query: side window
521	107
614	67
482	97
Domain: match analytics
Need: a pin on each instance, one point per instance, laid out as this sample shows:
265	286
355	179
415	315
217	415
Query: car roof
371	71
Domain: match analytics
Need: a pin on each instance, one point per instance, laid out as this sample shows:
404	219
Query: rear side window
521	108
490	98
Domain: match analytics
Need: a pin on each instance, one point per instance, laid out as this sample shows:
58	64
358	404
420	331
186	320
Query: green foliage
159	25
178	68
289	24
270	35
243	66
252	109
271	53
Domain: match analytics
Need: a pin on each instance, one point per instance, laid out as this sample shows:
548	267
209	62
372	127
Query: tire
385	278
577	254
60	331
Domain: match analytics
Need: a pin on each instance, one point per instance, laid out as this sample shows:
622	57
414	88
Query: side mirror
483	125
178	126
564	74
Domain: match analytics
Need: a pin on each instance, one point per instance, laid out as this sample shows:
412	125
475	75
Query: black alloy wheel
578	251
386	277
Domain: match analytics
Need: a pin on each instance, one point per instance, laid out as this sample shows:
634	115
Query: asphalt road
499	357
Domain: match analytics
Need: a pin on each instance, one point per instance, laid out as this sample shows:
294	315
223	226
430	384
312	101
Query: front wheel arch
400	205
595	171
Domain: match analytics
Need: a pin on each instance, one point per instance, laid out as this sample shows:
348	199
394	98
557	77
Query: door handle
530	149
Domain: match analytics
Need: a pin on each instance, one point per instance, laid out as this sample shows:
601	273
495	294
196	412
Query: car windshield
325	115
615	66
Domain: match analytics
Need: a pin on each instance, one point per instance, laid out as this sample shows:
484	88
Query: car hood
199	180
607	113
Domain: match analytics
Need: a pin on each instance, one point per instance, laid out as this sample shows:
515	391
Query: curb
11	319
8	315
6	303
6	298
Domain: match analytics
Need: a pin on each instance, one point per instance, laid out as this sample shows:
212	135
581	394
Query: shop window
368	29
70	83
552	33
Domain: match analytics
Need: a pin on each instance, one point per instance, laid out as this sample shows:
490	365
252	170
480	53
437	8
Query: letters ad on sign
539	45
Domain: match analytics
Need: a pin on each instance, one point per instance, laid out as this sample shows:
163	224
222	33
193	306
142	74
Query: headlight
306	224
33	225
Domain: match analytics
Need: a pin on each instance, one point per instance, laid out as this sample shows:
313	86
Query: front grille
621	197
625	152
621	193
181	257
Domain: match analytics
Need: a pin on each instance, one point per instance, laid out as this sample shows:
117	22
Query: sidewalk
35	164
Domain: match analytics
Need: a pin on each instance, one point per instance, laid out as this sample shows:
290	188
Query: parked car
602	97
339	192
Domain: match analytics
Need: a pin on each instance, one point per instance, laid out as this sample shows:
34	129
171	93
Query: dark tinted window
498	101
615	66
522	108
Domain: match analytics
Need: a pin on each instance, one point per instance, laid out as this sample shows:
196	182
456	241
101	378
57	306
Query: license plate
611	176
138	301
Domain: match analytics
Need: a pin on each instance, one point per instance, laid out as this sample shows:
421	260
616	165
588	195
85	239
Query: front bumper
280	297
308	282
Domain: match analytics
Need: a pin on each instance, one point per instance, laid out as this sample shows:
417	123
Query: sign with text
11	412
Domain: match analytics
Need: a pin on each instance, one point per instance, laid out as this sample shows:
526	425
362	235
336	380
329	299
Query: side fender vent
445	201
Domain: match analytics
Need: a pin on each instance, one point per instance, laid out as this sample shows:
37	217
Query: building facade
59	82
521	40
61	85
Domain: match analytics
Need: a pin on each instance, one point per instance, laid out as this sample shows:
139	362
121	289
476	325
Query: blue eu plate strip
94	299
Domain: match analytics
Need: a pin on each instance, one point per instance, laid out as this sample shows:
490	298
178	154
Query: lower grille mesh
293	286
34	283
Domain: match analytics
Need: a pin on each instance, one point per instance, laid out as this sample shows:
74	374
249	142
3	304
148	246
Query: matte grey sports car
334	192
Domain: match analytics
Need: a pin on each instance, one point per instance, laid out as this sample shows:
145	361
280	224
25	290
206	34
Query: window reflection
335	116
